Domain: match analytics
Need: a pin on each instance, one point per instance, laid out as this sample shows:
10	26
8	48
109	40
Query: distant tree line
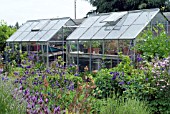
104	6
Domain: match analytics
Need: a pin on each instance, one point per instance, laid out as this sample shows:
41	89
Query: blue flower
3	78
111	72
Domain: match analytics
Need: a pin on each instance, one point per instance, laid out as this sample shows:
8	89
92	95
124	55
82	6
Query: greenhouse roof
40	30
115	25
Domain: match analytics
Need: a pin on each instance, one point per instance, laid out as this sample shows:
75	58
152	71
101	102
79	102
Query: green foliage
96	44
150	45
132	106
104	6
121	106
5	33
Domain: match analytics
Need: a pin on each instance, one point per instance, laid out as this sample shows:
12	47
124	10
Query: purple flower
139	58
20	88
111	72
1	70
43	77
76	74
31	57
34	99
26	72
121	83
40	101
146	79
57	110
28	66
48	71
16	81
16	73
27	92
3	78
114	77
32	72
46	100
123	73
29	106
128	83
115	74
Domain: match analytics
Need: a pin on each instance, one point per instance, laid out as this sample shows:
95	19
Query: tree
5	32
104	6
17	25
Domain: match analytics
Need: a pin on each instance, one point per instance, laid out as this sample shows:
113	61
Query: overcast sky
12	11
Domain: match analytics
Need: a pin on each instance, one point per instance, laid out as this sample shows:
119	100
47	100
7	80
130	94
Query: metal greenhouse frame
110	33
45	36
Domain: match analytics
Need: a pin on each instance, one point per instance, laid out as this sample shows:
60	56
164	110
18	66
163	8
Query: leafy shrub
150	45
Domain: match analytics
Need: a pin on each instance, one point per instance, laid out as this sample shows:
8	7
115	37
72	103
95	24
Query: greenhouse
98	40
36	35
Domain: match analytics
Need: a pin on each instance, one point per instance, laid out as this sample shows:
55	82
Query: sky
12	11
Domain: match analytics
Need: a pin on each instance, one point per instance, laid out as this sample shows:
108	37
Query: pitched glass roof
39	30
116	25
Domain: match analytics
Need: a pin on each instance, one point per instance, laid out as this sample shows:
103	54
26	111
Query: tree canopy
5	32
104	6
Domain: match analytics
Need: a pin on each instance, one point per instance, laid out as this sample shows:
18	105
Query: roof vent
115	16
35	29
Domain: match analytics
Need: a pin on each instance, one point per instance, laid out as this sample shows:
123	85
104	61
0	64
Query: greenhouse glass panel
90	33
132	31
50	25
31	26
38	36
83	28
103	32
14	36
159	18
29	36
115	34
89	21
40	25
78	32
48	35
25	26
59	24
94	28
131	17
145	17
22	36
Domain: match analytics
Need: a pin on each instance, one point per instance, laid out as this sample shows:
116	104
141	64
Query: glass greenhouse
36	35
99	39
